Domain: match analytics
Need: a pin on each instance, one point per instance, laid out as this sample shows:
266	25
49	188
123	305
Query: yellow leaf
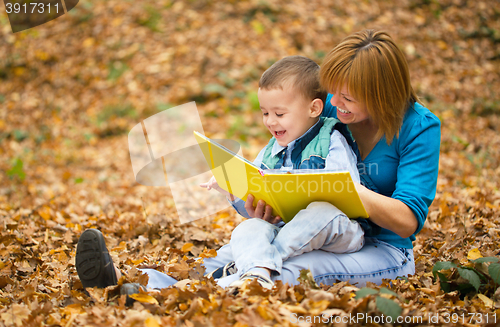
138	261
474	254
18	71
121	247
263	313
41	55
151	322
296	309
442	45
62	257
427	291
221	215
487	301
44	212
88	42
419	19
116	21
257	27
75	308
208	253
187	247
144	298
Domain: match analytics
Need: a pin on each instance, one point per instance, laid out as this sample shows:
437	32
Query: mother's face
349	110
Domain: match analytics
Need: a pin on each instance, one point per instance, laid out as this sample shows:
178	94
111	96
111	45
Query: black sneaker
93	262
227	270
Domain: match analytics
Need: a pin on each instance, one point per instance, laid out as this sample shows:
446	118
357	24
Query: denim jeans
375	261
257	243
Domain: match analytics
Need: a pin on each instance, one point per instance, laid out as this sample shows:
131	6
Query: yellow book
287	192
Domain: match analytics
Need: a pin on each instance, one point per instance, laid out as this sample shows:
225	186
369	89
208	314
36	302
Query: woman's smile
343	111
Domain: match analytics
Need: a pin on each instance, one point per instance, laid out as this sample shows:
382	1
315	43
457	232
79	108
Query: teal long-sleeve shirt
405	170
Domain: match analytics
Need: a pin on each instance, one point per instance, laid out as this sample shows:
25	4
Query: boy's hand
212	184
262	210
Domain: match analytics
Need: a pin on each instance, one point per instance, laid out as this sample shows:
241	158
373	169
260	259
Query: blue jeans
310	248
321	226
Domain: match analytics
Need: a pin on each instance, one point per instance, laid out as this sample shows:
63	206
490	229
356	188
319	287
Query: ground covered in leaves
70	91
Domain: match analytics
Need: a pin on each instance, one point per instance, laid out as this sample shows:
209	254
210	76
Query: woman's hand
212	184
261	211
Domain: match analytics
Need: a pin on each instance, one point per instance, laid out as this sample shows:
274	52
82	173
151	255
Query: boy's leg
224	256
159	280
251	245
320	226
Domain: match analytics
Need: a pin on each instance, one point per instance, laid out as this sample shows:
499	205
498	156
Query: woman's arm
387	212
405	211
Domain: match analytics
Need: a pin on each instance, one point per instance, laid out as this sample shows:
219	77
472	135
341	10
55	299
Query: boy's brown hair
376	74
299	72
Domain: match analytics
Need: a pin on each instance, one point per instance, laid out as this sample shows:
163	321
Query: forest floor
71	90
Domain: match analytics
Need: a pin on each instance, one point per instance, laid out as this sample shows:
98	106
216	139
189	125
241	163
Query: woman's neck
364	135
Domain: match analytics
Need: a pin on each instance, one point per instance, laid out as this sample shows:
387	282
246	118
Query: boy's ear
316	108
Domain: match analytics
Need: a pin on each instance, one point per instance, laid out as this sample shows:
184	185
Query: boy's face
287	114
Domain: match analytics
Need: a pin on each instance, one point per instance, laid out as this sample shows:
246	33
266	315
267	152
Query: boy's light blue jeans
323	242
257	243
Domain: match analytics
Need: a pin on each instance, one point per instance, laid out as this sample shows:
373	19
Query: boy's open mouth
279	133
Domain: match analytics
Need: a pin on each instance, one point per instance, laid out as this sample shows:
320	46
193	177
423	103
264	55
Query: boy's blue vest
311	150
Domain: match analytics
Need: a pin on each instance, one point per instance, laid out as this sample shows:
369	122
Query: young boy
291	100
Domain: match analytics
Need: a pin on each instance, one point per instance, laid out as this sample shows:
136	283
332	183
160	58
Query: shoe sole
93	262
224	271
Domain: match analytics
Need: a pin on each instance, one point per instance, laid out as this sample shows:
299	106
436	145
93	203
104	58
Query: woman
397	143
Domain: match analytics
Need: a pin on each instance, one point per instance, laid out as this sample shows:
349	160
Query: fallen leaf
486	300
474	254
144	298
187	247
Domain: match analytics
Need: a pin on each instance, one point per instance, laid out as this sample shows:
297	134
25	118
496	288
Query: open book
287	192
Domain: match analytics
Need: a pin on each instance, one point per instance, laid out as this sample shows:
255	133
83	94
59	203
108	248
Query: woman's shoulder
420	125
419	118
419	113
